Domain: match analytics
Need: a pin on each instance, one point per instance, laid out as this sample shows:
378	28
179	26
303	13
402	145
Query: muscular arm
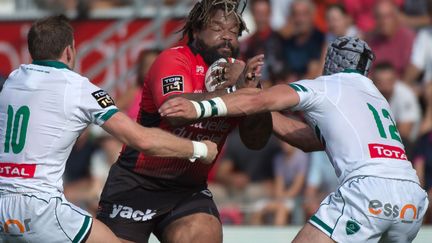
244	102
179	121
296	133
251	101
255	130
151	141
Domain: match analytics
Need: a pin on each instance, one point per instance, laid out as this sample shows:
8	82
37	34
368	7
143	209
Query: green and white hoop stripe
84	230
320	224
210	108
298	87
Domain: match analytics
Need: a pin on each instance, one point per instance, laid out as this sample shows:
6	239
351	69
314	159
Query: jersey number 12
394	133
16	129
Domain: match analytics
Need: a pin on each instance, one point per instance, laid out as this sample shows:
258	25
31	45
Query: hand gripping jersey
176	71
43	109
354	122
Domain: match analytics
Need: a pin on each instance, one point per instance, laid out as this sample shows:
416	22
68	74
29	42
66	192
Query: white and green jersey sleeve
354	123
43	108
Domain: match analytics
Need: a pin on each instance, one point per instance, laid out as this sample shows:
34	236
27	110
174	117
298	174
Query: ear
68	51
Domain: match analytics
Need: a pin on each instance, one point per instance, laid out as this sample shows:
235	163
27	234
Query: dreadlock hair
202	12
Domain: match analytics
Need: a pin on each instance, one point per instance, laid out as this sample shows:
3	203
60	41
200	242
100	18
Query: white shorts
41	217
370	209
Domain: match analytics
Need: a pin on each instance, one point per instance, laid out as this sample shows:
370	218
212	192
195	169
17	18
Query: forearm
295	133
151	141
255	130
157	142
244	102
176	122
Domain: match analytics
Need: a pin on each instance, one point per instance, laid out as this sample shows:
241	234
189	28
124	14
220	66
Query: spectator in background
320	19
363	12
280	10
403	102
321	181
415	13
130	100
422	158
421	56
255	44
299	46
246	174
339	23
391	41
290	171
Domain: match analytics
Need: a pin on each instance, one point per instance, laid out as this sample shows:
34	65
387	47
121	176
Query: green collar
351	71
50	63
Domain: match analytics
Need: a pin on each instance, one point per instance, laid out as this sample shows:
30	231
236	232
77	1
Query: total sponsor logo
386	151
129	213
15	227
17	170
407	213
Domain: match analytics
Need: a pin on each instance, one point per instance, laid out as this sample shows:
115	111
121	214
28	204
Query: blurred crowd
282	185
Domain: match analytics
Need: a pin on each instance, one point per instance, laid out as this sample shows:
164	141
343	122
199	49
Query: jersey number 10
16	129
394	133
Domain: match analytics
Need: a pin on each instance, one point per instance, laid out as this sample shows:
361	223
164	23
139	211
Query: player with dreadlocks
169	197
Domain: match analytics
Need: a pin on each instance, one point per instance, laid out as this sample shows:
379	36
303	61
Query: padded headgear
348	53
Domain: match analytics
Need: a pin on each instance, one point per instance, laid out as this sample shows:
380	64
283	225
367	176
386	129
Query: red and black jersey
177	70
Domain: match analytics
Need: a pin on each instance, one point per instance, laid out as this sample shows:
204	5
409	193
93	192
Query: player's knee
194	228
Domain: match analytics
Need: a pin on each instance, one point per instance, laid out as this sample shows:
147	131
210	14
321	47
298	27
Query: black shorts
134	206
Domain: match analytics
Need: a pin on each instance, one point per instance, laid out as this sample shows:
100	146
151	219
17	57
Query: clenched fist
212	152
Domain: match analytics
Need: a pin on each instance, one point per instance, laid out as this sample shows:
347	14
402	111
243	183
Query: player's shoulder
75	79
177	52
306	85
70	74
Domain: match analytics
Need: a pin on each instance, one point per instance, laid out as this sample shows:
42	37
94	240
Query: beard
210	54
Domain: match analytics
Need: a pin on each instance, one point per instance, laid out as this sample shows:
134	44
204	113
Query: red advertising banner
107	49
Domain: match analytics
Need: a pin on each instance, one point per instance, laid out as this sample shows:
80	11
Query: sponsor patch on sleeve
172	84
103	98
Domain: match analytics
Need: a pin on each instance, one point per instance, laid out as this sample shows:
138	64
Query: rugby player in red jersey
169	197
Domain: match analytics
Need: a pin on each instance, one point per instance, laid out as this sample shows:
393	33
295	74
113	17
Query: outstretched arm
156	142
251	101
244	102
